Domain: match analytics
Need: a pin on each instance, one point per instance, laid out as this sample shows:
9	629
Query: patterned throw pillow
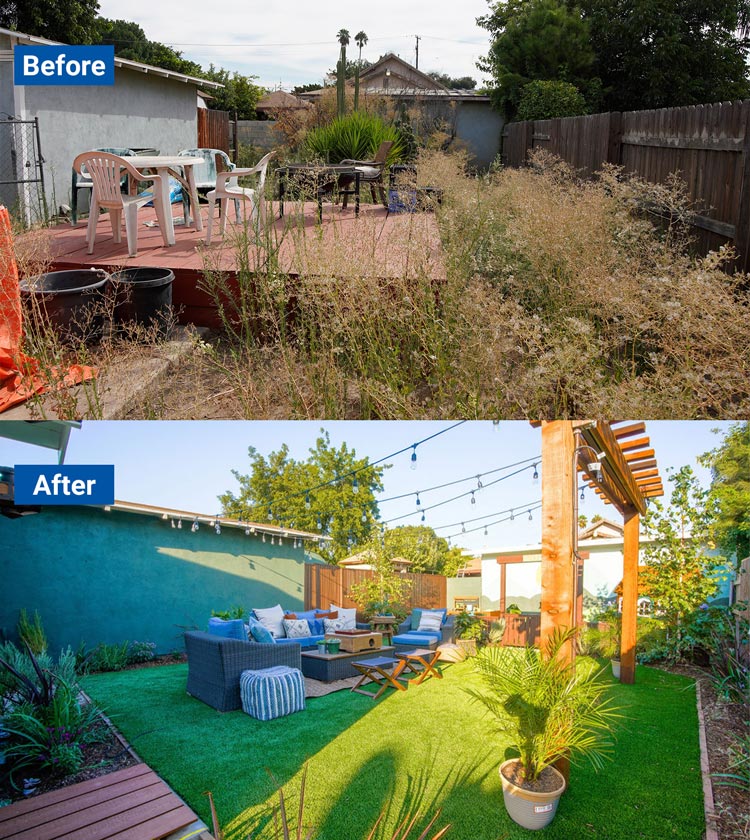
296	628
349	617
430	620
333	625
258	633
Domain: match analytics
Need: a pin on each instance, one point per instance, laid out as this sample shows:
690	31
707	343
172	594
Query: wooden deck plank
133	803
71	791
128	808
79	803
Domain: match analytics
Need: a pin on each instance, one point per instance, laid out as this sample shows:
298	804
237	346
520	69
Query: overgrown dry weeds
562	299
556	298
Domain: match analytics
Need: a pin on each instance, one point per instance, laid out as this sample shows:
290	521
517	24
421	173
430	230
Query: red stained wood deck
375	244
129	804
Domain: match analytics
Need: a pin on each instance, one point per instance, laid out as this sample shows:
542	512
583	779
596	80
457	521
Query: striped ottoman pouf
272	692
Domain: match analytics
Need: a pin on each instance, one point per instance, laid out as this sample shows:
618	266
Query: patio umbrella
19	374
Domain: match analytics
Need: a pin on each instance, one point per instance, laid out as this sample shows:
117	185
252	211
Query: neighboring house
280	101
513	574
148	108
363	562
466	116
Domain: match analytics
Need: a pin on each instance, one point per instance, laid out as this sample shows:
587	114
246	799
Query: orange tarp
20	375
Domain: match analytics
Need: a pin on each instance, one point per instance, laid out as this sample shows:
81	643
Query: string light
355	485
512	517
414	457
423	516
418	500
463	528
269	515
485	530
179	523
308	505
530	516
364	516
535	476
217	526
247	530
264	537
583	495
195	526
473	498
479	482
174	524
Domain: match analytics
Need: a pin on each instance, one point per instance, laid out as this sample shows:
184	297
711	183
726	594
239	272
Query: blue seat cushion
234	629
417	639
305	641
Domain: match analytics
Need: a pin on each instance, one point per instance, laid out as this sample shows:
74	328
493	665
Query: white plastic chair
105	171
226	192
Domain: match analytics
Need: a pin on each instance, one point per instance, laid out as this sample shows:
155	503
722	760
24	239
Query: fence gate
22	170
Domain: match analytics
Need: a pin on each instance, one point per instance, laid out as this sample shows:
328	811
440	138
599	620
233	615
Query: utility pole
416	63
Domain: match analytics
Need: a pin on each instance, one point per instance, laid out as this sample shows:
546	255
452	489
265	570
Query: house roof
415	77
125	63
280	100
602	529
189	517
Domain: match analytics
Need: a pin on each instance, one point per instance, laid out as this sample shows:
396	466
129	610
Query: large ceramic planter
527	807
616	668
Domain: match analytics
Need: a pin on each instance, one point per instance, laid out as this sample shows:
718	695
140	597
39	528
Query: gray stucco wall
145	111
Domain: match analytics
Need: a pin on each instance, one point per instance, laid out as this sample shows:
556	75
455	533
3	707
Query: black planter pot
71	302
144	297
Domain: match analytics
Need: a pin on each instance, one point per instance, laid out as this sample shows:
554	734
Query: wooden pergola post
629	595
558	568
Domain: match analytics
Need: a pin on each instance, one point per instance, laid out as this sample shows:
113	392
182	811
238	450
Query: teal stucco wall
97	576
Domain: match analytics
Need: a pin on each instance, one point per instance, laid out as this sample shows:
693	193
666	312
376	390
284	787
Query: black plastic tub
144	297
71	302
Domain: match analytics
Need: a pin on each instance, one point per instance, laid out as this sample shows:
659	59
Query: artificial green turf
424	748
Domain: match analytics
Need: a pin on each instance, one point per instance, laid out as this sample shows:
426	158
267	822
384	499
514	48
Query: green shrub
356	136
141	652
106	657
232	613
545	100
31	631
24	667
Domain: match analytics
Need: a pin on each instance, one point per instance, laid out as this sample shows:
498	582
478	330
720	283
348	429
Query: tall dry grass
559	299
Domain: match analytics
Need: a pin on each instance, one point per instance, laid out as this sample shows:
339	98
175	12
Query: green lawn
424	748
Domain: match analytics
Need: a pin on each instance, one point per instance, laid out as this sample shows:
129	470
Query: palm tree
343	39
360	39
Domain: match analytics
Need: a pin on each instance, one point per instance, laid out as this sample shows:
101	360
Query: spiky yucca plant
356	136
547	707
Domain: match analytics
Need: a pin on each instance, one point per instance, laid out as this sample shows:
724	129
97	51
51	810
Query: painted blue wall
97	576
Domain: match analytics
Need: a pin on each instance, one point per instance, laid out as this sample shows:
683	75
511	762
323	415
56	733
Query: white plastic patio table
166	165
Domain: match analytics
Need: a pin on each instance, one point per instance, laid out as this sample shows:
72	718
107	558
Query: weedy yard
553	297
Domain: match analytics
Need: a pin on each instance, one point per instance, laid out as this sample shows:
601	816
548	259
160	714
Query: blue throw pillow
316	626
416	615
308	615
234	629
260	633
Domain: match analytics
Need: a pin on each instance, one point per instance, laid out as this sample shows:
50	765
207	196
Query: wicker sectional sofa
215	665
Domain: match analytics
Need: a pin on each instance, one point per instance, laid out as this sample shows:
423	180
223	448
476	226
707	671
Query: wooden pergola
617	461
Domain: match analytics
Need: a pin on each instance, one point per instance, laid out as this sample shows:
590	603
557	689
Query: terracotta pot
527	807
616	668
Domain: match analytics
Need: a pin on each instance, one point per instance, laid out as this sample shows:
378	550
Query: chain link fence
22	171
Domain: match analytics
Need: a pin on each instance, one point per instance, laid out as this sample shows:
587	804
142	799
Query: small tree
680	574
385	591
545	99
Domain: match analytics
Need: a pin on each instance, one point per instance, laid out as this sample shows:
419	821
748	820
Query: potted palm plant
469	629
606	638
548	709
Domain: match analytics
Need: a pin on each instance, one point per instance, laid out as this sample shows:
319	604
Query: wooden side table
384	624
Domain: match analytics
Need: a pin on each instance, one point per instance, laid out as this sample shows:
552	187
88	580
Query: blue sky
294	42
186	465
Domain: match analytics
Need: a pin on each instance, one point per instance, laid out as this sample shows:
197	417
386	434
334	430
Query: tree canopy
426	551
344	509
454	82
620	54
73	22
130	42
730	490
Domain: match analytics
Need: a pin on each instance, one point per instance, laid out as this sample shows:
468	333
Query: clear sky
186	465
294	42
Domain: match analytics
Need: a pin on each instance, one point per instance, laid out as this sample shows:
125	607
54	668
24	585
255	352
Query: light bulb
174	524
195	526
355	486
247	530
473	500
364	516
269	515
463	528
418	500
307	501
535	476
583	495
479	483
264	537
512	517
179	523
414	457
423	516
485	530
530	516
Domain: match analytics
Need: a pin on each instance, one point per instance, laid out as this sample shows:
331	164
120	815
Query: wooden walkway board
130	804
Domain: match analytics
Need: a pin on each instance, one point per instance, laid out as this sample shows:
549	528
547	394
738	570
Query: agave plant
545	706
355	137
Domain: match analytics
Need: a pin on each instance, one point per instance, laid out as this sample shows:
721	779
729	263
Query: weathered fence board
213	129
326	585
708	146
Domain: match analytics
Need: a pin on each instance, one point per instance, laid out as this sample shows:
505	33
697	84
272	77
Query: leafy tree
384	592
426	551
352	66
73	22
663	53
130	42
454	83
276	486
306	88
535	39
545	100
730	490
680	574
239	93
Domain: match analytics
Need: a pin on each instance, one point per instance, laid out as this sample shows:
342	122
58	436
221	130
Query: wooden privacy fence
707	145
520	630
213	129
326	585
